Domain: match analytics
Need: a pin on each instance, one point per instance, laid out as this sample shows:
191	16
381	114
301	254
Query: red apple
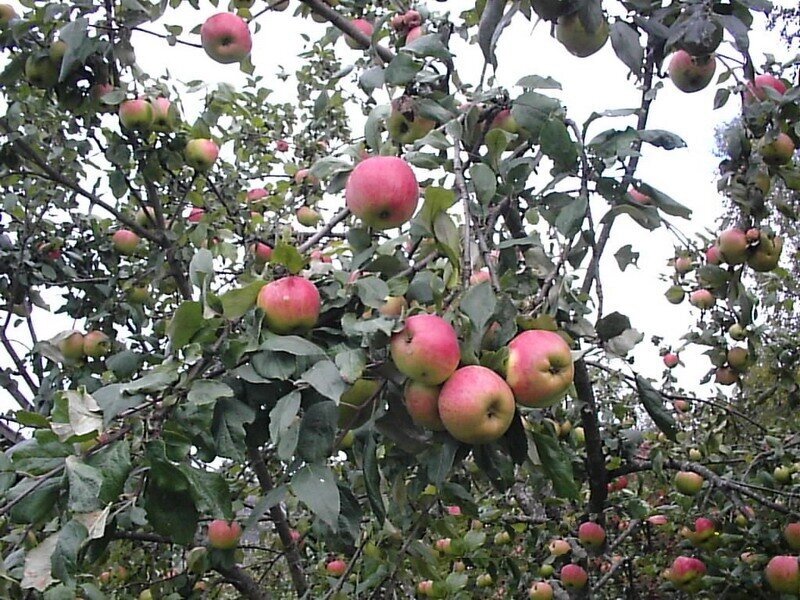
702	299
657	520
426	350
691	73
125	241
364	27
281	145
304	176
573	577
318	256
776	151
442	545
163	114
504	120
72	346
733	244
578	40
479	276
688	482
539	368
425	588
704	529
476	405
226	38
224	535
671	360
683	264
308	217
725	376
713	255
681	405
755	90
782	574
541	590
382	191
591	534
136	114
559	547
262	252
422	403
414	34
256	194
791	533
336	567
201	154
453	511
195	215
753	235
685	570
96	344
290	305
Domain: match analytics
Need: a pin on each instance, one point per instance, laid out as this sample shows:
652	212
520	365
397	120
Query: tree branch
595	460
241	580
337	218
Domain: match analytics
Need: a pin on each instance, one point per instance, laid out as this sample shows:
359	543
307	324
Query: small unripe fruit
484	580
574	36
425	587
737	332
442	545
502	538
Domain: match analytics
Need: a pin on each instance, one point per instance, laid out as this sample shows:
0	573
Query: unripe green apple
767	253
550	10
136	115
559	547
691	73
96	344
72	346
737	332
484	580
308	217
574	36
738	358
782	475
777	151
502	538
688	482
352	410
546	570
695	454
405	124
41	71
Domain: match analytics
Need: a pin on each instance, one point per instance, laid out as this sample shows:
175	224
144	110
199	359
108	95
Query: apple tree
356	345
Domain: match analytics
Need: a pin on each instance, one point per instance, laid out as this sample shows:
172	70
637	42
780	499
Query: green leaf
377	117
64	560
626	256
201	268
114	463
274	497
274	365
206	392
230	417
556	465
479	303
37	573
317	431
291	344
664	202
532	82
372	291
372	479
351	363
79	45
447	236
662	139
85	483
125	363
75	413
288	256
37	505
185	323
485	182
209	491
236	303
325	378
315	486
283	415
653	403
558	145
428	45
612	325
401	70
440	460
625	41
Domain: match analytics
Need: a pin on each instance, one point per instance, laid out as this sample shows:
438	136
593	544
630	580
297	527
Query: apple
364	27
414	34
224	535
502	538
163	114
41	71
422	403
318	256
738	358
691	73
753	235
695	454
713	255
7	14
57	51
405	124
733	244
353	410
281	146
688	483
755	90
559	547
136	115
138	295
308	217
72	346
541	590
638	197
476	405
195	215
426	350
290	305
262	252
336	567
573	576
125	241
479	276
704	529
574	36
393	306
675	294
505	120
484	580
201	154
791	533
539	369
96	344
425	588
226	38
776	151
382	191
146	217
442	545
657	520
782	475
304	176
579	436
146	595
683	264
685	570
767	253
702	299
782	574
671	360
256	194
725	376
591	534
453	511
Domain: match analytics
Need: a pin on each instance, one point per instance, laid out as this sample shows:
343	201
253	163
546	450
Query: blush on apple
382	191
426	350
539	368
290	305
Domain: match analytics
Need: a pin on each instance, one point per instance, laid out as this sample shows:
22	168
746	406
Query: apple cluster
408	25
75	346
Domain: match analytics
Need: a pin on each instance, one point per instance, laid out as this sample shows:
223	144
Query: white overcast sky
592	84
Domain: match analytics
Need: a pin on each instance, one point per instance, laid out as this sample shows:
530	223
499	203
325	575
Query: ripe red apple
683	264
422	403
336	567
539	368
414	34
308	217
41	71
426	350
476	405
163	114
671	360
226	38
685	570
541	590
791	533
574	36
688	482
573	577
755	90
125	241
393	306
256	194
195	215
201	154
713	255
224	535
72	346
782	574
96	344
454	511
725	376
364	27
732	244
777	151
136	115
702	299
290	305
691	73
704	528
382	191
591	534
262	252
